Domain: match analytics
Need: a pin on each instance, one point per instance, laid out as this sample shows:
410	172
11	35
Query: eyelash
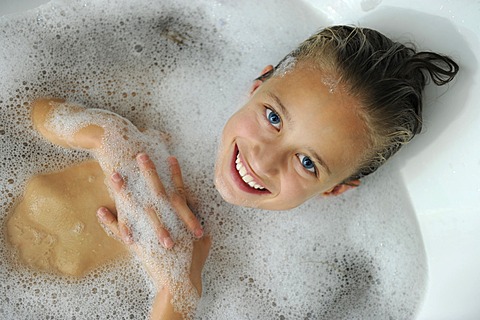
269	114
313	169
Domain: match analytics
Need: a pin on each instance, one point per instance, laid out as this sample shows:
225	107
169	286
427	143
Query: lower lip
242	185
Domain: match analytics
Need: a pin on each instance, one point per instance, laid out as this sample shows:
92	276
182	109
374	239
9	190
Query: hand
163	306
176	198
200	251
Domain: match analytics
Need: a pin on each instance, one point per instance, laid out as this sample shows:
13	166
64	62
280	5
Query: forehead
323	115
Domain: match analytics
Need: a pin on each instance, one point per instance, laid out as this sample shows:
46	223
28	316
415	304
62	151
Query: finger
187	216
199	257
180	206
162	234
147	167
118	229
109	220
125	233
117	182
201	249
177	178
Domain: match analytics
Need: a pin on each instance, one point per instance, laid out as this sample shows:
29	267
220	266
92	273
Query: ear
341	188
258	82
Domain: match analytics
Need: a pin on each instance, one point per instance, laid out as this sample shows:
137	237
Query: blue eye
307	163
273	118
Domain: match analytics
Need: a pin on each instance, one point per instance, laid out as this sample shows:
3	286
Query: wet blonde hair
386	77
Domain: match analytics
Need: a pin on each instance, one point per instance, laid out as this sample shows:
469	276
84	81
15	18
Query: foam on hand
183	68
121	142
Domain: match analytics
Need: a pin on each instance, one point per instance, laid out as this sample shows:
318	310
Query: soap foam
183	68
121	142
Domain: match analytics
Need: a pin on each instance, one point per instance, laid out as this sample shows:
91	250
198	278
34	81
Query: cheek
295	189
241	124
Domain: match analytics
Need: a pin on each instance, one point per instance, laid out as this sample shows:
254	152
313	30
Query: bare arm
89	137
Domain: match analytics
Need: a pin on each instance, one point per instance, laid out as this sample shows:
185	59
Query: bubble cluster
120	143
182	68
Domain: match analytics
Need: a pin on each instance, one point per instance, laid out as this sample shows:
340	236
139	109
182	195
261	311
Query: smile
243	176
242	171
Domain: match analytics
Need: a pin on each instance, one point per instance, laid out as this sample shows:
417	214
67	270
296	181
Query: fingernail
128	239
142	157
168	242
116	177
102	212
198	233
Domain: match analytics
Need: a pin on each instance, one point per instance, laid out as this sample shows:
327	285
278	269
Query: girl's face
295	138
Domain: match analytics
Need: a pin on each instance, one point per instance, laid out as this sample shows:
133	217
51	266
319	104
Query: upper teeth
246	177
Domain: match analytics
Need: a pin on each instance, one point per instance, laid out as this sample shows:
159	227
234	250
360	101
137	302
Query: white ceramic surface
441	167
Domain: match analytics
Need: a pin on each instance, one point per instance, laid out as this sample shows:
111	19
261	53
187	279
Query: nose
268	158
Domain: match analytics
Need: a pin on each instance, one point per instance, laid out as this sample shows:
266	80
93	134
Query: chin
222	188
232	197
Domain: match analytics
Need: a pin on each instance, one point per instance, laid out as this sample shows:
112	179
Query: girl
331	112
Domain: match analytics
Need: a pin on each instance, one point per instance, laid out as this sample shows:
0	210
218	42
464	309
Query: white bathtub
441	168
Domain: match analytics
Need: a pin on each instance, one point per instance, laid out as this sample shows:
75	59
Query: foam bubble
121	142
182	68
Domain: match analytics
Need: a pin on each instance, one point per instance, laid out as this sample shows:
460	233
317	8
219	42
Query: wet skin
295	138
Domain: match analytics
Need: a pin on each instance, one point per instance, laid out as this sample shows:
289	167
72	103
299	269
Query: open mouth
245	180
242	171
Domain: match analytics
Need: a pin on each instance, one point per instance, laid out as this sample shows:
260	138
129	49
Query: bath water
183	68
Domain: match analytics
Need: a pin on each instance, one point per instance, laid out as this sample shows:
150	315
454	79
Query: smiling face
295	138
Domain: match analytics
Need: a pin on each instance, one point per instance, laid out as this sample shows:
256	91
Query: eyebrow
288	117
319	160
284	110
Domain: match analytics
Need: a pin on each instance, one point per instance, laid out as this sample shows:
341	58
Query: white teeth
242	171
246	177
